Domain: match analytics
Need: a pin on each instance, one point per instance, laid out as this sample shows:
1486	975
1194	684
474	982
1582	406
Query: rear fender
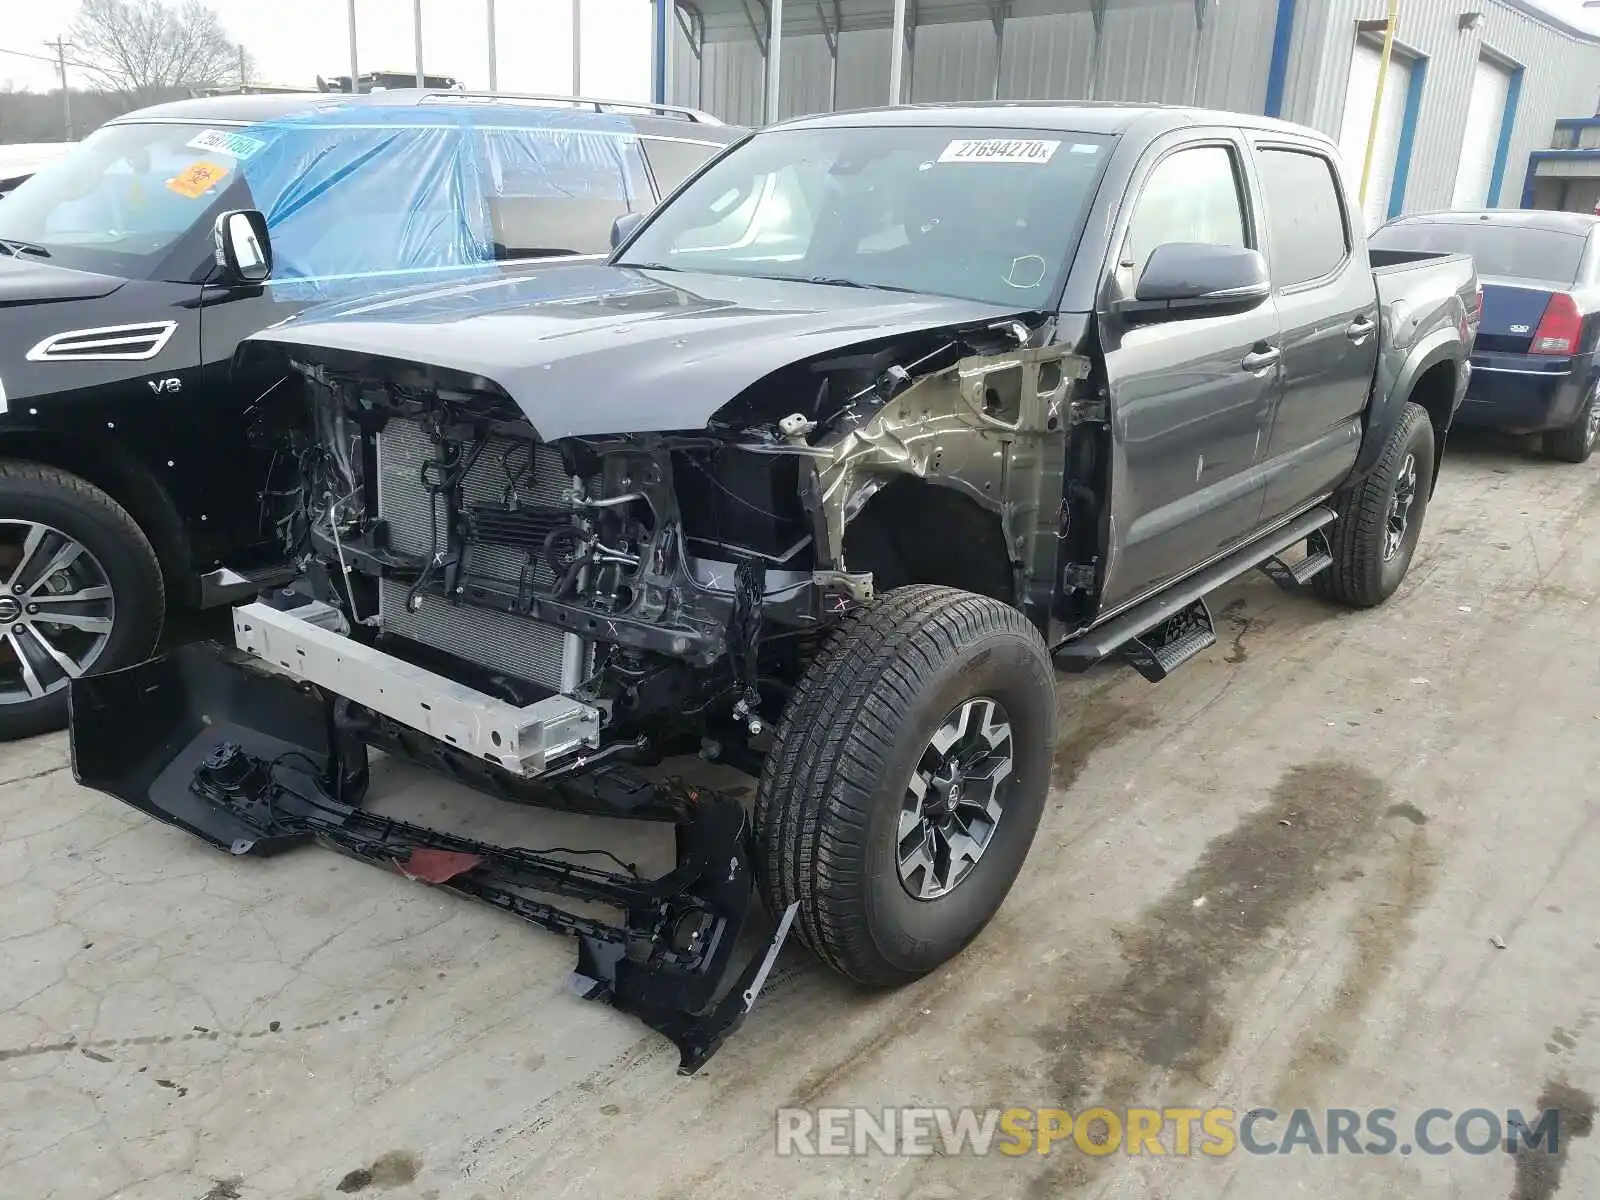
1394	388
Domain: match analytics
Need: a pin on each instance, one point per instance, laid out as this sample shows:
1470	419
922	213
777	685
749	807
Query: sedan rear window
1517	251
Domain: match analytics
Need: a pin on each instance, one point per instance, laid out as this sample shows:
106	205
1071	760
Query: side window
553	192
1307	236
673	162
1191	196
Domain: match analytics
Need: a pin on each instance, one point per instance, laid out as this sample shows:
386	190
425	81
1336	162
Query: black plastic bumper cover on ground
254	763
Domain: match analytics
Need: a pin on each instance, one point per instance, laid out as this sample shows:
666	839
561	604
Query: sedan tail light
1559	328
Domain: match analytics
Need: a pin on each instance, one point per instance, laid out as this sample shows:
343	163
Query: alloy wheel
57	610
1405	495
955	799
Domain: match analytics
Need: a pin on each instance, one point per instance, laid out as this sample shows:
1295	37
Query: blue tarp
358	195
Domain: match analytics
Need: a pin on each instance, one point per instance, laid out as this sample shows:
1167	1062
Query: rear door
1328	314
1191	400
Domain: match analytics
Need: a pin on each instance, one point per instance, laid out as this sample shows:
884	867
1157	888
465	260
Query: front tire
1576	442
907	781
80	592
1380	518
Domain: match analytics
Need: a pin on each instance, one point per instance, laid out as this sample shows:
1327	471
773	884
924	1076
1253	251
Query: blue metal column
1508	124
1408	137
1278	69
661	50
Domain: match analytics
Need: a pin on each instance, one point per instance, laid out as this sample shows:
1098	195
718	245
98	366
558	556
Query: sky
293	41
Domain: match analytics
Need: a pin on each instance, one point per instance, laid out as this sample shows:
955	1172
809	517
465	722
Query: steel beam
774	58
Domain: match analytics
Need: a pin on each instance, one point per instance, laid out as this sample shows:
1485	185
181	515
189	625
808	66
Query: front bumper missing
255	763
522	740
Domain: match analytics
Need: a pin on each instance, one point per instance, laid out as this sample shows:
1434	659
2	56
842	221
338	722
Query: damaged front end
543	619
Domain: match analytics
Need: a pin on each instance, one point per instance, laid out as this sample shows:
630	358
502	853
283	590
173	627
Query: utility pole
494	74
244	74
577	47
417	14
355	86
61	48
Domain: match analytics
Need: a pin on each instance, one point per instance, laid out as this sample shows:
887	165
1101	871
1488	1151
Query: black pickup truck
875	417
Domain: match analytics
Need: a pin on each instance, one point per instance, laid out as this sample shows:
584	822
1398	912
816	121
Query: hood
26	279
587	349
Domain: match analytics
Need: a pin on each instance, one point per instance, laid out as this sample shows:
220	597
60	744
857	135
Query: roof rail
666	110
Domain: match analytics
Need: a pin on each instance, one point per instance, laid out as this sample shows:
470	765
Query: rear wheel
1380	518
1576	442
80	591
907	781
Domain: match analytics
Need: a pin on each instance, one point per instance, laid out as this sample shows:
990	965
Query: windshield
119	201
1518	251
980	214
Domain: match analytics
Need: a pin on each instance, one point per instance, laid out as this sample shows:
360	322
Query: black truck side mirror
244	251
1194	279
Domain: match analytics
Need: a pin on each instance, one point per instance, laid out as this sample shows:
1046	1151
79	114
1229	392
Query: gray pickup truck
879	420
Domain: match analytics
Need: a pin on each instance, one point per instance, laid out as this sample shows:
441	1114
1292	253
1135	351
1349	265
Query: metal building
1472	87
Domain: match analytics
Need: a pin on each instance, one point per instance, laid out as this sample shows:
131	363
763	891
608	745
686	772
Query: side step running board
1159	652
1115	635
1291	577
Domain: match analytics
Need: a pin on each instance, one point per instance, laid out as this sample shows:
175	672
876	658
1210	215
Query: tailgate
1511	313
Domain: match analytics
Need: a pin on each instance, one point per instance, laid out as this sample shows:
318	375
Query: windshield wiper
836	281
651	266
15	246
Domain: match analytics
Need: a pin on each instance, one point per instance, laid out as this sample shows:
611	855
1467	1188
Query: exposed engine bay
540	618
673	581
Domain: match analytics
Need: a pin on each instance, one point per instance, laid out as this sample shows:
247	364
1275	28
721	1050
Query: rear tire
114	553
1576	442
1380	518
896	731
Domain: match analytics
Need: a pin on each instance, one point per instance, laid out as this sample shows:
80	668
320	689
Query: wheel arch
918	531
126	480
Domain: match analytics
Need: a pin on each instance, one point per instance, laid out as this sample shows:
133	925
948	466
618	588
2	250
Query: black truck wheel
907	781
1575	443
1380	518
80	591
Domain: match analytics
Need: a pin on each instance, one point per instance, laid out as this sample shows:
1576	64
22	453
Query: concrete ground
1344	860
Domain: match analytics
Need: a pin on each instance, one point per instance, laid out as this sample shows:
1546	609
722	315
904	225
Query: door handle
1360	329
1260	360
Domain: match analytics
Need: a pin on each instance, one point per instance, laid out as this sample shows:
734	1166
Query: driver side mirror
244	252
1193	279
622	228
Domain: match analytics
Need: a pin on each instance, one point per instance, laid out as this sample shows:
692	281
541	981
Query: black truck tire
1370	553
1576	442
837	812
116	553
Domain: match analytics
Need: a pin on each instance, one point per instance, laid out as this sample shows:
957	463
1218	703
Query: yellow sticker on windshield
197	179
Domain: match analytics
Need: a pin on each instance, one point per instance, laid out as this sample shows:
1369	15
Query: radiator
495	640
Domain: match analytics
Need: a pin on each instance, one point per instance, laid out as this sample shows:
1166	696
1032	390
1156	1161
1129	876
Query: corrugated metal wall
1560	76
1157	54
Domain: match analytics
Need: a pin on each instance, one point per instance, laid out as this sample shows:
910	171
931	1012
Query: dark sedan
1533	368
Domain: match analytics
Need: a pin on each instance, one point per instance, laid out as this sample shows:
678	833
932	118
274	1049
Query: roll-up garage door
1486	112
1358	96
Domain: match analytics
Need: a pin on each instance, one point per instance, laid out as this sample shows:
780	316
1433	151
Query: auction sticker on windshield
238	145
999	150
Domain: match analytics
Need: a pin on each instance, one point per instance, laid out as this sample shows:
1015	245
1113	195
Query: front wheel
80	591
1380	518
1576	442
908	778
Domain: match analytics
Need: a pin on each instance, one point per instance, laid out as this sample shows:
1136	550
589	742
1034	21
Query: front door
1191	400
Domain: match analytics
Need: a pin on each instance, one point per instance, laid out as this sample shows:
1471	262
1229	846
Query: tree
147	47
